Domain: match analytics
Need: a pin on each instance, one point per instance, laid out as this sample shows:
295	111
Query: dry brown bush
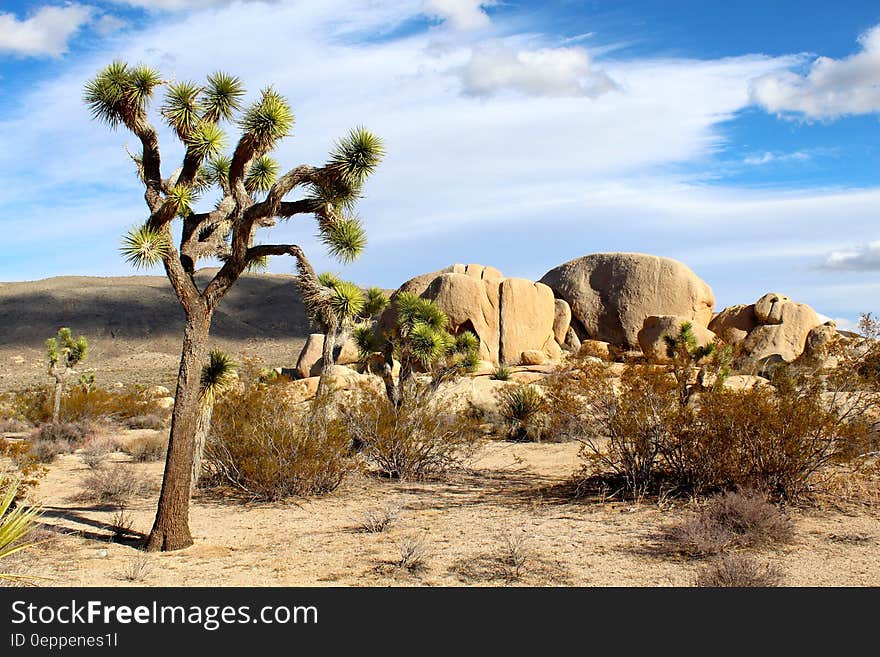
416	440
87	404
145	449
270	448
115	484
639	431
728	521
738	571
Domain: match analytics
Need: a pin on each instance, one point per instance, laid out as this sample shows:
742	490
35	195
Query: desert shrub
70	432
150	421
739	571
643	432
115	484
86	404
413	553
732	520
523	409
376	521
145	449
501	373
96	450
45	451
26	469
416	439
13	425
271	449
137	568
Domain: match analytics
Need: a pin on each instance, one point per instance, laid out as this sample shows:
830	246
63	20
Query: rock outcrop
652	337
782	330
510	316
611	294
311	358
734	323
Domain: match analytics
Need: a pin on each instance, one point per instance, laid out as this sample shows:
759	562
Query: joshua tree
217	376
251	196
336	306
63	353
419	339
686	354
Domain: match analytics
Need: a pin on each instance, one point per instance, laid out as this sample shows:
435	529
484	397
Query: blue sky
741	138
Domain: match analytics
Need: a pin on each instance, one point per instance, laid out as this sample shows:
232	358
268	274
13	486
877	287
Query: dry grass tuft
739	571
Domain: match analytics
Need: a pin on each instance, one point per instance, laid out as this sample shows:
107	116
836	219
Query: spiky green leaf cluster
356	156
346	300
218	374
216	170
15	522
206	140
684	345
119	93
221	97
366	340
64	349
375	302
413	309
258	265
345	238
182	199
268	120
181	109
145	247
262	174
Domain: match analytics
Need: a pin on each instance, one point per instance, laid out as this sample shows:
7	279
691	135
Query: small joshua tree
336	306
63	354
686	354
217	377
419	339
251	196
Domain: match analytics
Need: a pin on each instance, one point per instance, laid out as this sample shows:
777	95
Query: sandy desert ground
509	492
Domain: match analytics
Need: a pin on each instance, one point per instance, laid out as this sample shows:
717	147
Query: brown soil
465	527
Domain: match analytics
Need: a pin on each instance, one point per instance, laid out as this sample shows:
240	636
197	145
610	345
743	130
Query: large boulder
561	321
734	323
611	294
782	331
528	311
508	315
652	337
311	358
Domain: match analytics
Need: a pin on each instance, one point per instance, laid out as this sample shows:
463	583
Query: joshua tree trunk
328	358
59	388
171	527
203	426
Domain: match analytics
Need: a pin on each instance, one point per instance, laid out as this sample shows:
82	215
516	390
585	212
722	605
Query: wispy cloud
462	15
865	257
768	157
44	33
830	88
497	68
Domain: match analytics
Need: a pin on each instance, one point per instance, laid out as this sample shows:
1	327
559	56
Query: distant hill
138	315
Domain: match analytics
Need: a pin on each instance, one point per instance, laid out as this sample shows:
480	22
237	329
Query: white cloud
862	258
46	32
498	68
522	181
831	88
460	14
178	5
768	158
107	24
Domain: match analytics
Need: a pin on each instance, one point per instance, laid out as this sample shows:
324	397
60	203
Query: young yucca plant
522	408
218	376
420	339
63	354
15	523
253	194
687	354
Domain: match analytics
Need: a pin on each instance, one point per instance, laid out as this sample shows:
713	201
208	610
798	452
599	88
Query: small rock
533	357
